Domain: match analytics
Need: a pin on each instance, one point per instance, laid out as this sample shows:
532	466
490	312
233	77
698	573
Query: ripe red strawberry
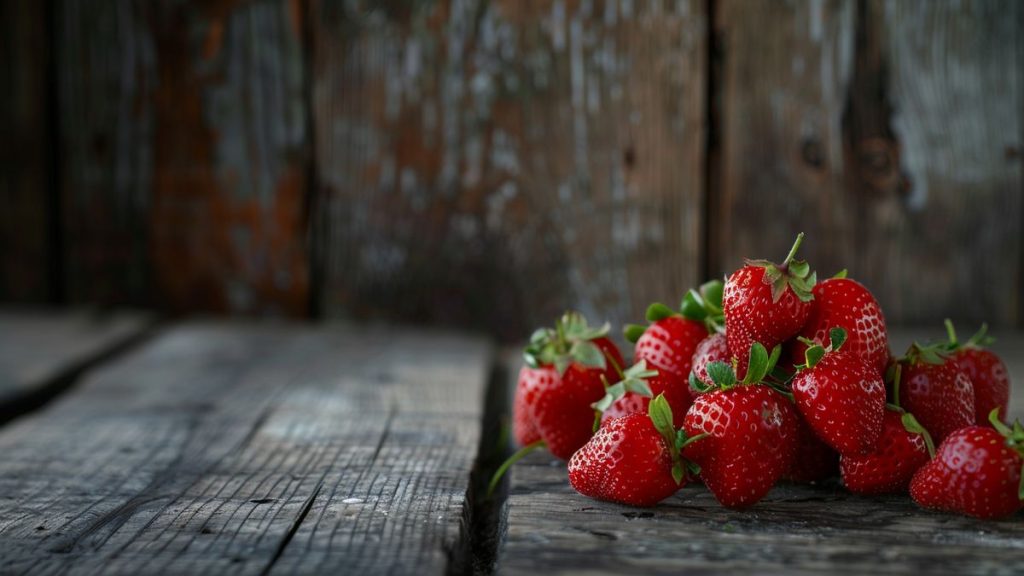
841	397
902	450
634	459
522	422
844	303
766	303
667	344
985	370
935	391
752	433
976	471
711	349
634	392
576	357
814	460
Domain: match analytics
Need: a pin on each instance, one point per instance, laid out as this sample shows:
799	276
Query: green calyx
634	380
791	273
980	340
815	352
571	341
926	353
660	414
703	304
761	363
1014	439
910	424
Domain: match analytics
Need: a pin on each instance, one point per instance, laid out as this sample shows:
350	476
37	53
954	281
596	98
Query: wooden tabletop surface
255	448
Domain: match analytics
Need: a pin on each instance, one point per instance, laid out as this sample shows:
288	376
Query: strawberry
902	450
668	342
577	360
711	349
634	459
634	392
752	432
814	460
845	303
841	396
522	422
985	370
935	390
976	471
766	303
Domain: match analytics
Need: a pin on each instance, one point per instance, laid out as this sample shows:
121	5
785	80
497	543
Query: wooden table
256	448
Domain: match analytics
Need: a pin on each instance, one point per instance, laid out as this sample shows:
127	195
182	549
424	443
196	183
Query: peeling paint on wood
489	164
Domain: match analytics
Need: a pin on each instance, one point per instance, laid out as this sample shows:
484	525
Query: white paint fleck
352	501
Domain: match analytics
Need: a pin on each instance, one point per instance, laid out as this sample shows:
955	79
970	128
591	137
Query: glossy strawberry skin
940	396
751	315
842	398
847	304
560	408
752	442
676	393
668	345
714	348
627	461
814	460
990	379
889	468
973	473
526	386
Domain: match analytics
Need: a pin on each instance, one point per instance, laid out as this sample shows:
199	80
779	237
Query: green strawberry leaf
693	307
633	332
697	384
677	471
800	268
588	354
638	386
659	311
841	274
910	424
661	416
711	292
813	355
757	366
836	336
721	374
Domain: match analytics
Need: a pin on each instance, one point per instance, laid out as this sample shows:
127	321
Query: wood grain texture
492	163
25	205
41	349
796	529
781	166
955	85
250	449
184	146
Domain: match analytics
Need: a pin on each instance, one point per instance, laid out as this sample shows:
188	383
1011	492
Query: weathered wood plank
795	530
248	449
184	150
780	166
491	163
889	132
25	244
950	204
41	350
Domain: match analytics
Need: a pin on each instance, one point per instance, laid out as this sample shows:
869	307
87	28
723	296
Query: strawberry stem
500	472
792	251
951	332
912	425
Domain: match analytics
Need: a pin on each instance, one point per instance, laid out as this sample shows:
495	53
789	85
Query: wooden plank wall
488	164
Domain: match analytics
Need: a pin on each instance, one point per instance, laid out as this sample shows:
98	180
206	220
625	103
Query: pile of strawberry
771	376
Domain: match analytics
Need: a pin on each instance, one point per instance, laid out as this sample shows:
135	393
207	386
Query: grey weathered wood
41	349
492	163
794	530
248	448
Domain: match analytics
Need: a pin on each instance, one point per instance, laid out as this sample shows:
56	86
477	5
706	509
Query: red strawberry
976	471
711	349
985	370
667	344
634	392
752	433
844	303
522	422
632	460
841	396
902	450
935	391
576	357
814	460
766	303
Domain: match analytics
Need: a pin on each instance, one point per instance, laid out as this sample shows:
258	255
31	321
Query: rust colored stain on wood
227	215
